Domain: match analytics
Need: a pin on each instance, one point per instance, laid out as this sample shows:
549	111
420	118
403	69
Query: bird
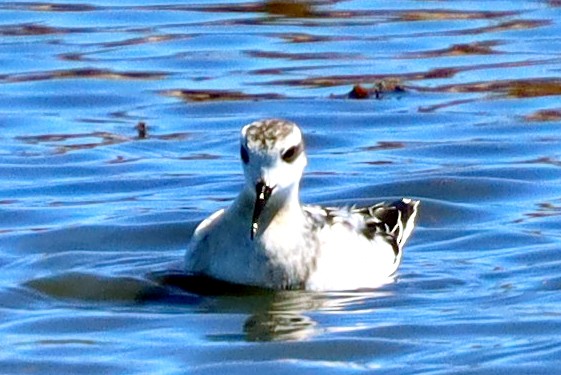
268	239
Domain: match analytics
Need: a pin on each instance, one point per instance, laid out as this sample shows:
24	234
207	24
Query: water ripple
119	133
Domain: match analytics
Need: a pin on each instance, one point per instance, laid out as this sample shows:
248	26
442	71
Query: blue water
90	211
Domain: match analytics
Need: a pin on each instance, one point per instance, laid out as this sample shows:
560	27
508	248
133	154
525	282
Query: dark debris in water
217	95
439	15
58	140
143	40
376	91
49	7
517	24
475	48
84	73
533	88
149	39
451	103
80	141
517	88
359	92
440	73
272	8
319	9
142	130
289	8
307	38
545	160
304	56
119	159
543	210
379	162
173	136
392	82
33	29
544	115
383	145
203	156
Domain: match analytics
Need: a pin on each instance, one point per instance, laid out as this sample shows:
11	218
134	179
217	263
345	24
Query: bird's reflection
289	315
270	326
273	315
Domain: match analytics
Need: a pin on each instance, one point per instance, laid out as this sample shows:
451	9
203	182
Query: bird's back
360	247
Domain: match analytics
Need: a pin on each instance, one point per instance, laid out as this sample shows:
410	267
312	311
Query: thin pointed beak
262	194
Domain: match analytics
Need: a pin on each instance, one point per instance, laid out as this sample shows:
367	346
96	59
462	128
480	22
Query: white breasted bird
268	239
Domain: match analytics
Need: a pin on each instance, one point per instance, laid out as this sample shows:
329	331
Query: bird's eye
244	155
290	154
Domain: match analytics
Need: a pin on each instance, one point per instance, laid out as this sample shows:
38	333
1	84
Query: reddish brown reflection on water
83	73
544	115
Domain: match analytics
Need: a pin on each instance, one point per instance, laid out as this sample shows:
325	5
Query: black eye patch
244	155
292	153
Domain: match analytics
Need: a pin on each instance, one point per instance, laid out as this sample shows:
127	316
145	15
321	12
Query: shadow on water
271	315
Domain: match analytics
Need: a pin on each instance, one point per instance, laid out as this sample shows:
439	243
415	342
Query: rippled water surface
456	103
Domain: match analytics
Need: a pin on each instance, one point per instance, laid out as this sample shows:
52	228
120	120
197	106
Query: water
92	214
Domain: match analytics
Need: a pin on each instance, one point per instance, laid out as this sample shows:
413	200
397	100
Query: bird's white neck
282	203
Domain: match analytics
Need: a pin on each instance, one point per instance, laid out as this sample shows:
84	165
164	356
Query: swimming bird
267	238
